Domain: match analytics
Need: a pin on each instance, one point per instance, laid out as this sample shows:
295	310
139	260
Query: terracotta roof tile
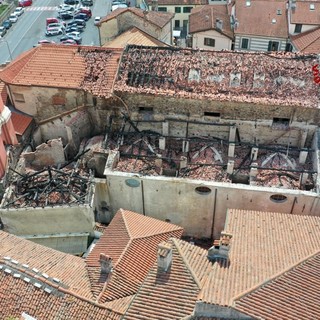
256	19
308	42
129	237
36	297
120	305
172	294
3	93
54	263
295	294
157	18
283	78
20	122
89	68
134	36
179	2
303	15
263	245
204	18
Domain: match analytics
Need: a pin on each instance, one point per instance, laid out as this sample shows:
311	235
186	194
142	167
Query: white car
53	31
74	34
56	25
18	11
97	20
116	5
13	18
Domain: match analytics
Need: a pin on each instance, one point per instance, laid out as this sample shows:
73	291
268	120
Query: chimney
105	263
164	256
219	24
220	248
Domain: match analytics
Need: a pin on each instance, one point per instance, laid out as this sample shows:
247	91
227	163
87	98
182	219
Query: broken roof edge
231	97
258	286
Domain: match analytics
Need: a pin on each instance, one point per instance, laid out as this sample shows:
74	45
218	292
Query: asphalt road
31	27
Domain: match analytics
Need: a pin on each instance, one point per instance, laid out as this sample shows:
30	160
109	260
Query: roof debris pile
147	152
266	78
48	187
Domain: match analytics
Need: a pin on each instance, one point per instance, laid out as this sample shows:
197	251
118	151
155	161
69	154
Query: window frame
177	9
270	45
19	97
162	9
187	9
241	44
208	42
298	28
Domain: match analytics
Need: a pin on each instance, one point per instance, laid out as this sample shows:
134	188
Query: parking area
68	24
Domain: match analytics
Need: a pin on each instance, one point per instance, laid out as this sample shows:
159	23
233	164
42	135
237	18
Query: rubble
198	74
206	158
48	187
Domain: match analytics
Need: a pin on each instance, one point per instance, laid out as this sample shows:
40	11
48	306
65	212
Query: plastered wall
55	220
200	215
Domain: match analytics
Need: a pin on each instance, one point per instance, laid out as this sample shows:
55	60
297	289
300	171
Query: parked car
78	22
25	3
51	20
68	8
74	28
7	24
19	11
118	5
85	10
44	41
66	15
74	37
71	2
87	3
56	25
69	42
3	31
53	31
97	20
13	18
82	16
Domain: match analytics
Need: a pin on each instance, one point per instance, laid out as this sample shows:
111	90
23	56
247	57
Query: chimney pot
220	248
164	256
105	263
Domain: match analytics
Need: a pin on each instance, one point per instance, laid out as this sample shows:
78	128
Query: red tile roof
89	68
204	18
307	42
256	19
179	2
303	15
51	262
294	294
43	299
129	237
264	244
287	78
172	294
157	18
3	93
134	36
20	122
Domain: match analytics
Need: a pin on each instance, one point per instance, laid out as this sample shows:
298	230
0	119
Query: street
31	26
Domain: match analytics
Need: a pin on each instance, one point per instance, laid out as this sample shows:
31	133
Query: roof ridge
156	234
307	45
125	222
185	260
272	278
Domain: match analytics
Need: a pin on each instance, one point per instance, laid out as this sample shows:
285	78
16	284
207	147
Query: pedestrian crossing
41	9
